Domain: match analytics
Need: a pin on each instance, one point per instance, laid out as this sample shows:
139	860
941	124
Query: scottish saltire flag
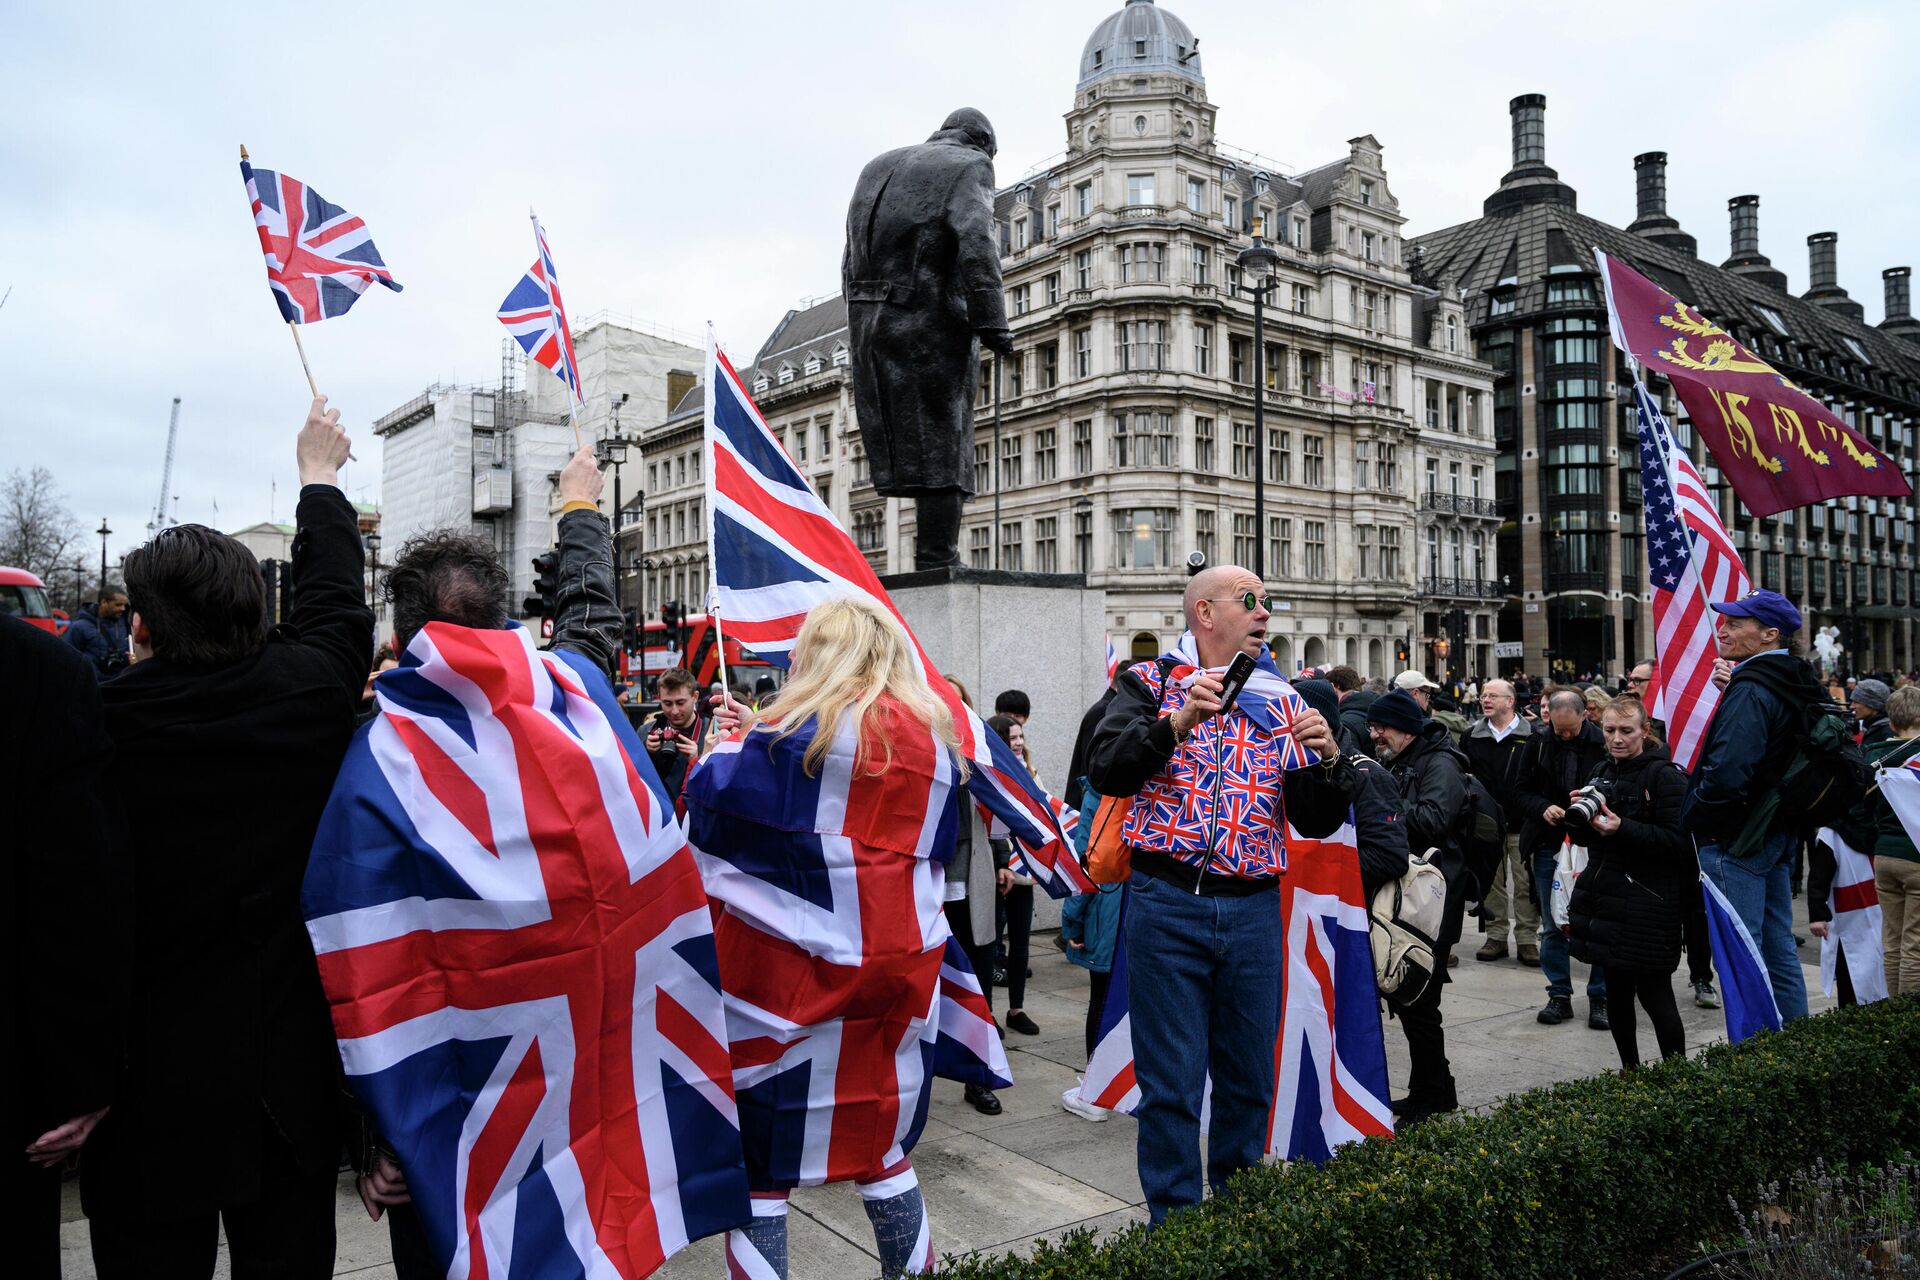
833	946
320	258
1901	786
1268	700
1691	564
778	551
521	966
1113	659
1745	989
1330	1061
537	318
1854	927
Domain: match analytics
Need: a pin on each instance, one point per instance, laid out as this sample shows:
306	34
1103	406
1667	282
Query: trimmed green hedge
1608	1176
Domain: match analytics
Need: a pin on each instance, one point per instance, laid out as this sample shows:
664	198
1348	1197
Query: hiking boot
1529	955
1555	1011
1494	949
982	1100
1597	1019
1704	996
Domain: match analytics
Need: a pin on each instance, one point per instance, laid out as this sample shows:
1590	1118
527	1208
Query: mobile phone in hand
1239	671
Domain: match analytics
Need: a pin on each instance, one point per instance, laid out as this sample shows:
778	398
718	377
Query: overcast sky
693	162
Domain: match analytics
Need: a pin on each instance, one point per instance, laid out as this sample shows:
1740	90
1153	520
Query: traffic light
630	630
545	602
1400	653
673	613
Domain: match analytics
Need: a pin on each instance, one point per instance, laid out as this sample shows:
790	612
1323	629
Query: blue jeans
1204	992
1554	961
1760	889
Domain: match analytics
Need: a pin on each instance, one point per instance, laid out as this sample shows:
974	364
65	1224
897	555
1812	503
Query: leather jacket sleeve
588	619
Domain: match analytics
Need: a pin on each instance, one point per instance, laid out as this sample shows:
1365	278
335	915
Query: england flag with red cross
520	960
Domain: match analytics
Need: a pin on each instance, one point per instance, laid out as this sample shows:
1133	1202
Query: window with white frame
1243	450
1083	269
1314	542
980	547
1313	455
1012	457
1280	545
1202	265
1230	211
1243	538
1203	445
1046	454
1203	348
1083	353
1046	544
1140	189
1083	199
1011	544
1206	538
1083	446
1197	194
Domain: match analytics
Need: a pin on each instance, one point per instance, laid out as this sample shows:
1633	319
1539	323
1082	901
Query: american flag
320	258
1691	563
834	951
512	934
778	551
537	318
1330	1057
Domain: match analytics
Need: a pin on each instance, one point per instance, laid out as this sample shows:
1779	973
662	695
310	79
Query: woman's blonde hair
849	652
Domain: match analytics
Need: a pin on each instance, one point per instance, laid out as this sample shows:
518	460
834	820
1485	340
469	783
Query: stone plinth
1041	632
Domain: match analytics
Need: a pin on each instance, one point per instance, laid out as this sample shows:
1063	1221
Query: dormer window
760	383
1098	57
1772	317
1366	193
1259	184
839	354
1139	48
812	365
786	373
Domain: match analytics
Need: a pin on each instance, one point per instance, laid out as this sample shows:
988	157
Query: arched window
1453	333
1146	646
1315	652
1376	659
1282	648
1353	653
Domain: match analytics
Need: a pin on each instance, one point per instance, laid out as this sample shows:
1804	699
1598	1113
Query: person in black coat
1629	905
1380	830
65	924
1556	763
1431	774
229	734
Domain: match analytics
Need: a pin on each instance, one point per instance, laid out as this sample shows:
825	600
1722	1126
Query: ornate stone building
1571	539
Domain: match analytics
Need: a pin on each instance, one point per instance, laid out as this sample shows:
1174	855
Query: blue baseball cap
1768	608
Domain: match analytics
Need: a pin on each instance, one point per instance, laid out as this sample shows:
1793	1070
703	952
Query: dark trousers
1699	947
35	1252
286	1234
980	956
1655	993
1016	923
412	1257
1096	1005
1430	1082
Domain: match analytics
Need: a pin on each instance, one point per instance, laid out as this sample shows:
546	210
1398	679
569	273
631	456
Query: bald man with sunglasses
1210	809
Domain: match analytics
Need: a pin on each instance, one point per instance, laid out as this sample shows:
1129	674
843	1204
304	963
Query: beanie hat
1396	709
1871	694
1321	696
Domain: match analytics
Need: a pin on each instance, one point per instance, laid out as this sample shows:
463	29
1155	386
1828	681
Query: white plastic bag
1567	866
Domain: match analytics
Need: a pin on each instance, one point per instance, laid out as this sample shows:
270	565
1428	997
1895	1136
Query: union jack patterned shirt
1219	791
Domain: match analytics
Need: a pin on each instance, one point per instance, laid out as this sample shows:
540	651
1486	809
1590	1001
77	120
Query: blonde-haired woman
821	825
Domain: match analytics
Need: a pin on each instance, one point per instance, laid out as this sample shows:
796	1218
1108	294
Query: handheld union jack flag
778	551
520	959
537	318
320	258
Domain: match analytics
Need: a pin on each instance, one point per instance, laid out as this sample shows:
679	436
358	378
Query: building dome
1140	38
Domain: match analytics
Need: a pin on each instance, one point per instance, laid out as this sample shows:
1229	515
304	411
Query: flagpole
304	366
706	447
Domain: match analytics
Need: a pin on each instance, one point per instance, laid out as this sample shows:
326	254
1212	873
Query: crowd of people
181	751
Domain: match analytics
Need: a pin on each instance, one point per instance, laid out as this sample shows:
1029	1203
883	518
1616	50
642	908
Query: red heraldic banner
1778	446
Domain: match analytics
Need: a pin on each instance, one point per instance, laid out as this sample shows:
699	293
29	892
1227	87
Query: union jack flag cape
537	318
1330	1057
778	551
845	991
1854	900
320	258
521	967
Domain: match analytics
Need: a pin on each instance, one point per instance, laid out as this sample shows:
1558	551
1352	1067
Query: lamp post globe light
611	450
104	532
1258	263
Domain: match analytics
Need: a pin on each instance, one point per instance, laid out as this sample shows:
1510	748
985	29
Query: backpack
1824	778
1483	837
1405	917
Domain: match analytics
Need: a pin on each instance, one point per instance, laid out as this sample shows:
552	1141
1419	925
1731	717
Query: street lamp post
373	568
103	531
613	449
1257	264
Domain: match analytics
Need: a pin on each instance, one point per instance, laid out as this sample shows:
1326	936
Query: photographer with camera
674	734
1556	764
1629	904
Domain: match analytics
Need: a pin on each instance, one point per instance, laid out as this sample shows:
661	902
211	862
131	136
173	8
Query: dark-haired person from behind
228	733
1629	905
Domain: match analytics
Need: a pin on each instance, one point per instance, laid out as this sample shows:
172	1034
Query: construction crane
159	520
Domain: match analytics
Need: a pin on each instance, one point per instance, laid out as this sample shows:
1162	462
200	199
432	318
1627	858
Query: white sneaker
1073	1102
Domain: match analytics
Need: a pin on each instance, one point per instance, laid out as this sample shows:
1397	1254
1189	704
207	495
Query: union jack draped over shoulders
778	551
320	258
520	960
537	317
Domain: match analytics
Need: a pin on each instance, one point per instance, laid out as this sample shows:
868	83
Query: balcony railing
1457	504
1461	588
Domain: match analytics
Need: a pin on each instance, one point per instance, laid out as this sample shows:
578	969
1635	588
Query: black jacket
587	617
1083	748
1552	768
1629	905
1431	774
1352	728
224	772
1134	742
1750	741
670	762
67	896
1378	825
1497	762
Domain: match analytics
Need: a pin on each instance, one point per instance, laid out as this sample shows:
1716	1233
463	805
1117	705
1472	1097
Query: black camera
1585	804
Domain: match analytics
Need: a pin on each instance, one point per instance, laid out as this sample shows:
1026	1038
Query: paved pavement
996	1184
